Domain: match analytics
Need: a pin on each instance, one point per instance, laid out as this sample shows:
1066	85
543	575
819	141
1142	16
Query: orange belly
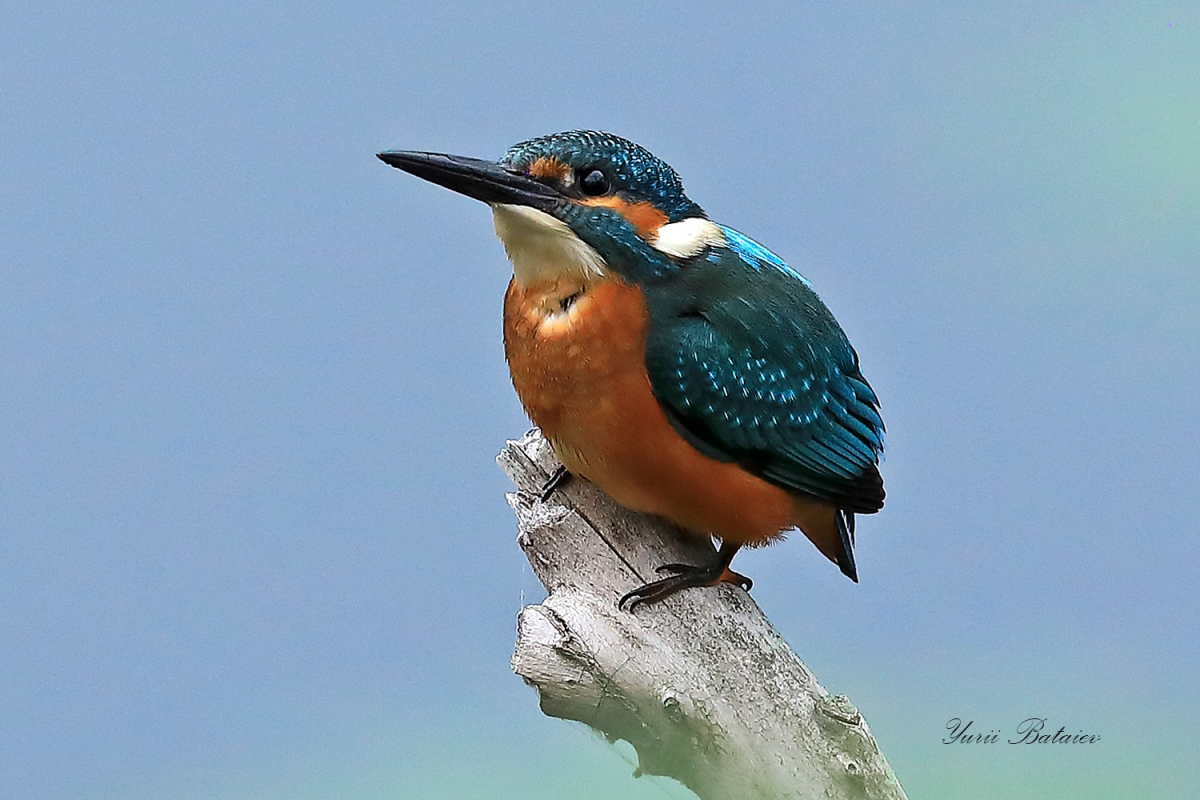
577	357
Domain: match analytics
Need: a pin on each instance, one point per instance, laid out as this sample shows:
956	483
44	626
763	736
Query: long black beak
475	177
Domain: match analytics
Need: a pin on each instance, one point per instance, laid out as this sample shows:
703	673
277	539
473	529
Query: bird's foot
560	477
685	576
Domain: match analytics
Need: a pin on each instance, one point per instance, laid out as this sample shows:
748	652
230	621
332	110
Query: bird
678	364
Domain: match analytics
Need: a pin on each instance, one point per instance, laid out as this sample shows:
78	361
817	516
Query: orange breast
577	357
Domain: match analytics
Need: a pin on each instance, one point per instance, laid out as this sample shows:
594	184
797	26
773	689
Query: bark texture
701	684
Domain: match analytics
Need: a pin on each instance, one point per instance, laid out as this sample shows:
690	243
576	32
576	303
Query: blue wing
750	366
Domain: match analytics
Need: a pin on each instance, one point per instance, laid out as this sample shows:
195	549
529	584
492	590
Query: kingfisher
681	366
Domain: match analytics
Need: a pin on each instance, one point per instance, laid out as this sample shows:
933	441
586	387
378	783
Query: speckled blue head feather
635	172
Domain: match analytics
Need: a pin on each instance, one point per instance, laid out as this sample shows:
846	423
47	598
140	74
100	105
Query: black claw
665	587
651	593
559	477
686	577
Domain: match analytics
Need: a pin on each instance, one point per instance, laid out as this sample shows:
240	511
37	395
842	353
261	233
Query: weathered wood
701	684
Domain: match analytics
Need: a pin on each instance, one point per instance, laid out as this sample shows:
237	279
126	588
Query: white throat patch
542	247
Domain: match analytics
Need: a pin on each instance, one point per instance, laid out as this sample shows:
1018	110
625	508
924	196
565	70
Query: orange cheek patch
643	216
546	167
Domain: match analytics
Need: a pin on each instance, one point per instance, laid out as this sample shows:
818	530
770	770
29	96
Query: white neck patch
688	237
542	247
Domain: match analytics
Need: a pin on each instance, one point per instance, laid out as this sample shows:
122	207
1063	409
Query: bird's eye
593	182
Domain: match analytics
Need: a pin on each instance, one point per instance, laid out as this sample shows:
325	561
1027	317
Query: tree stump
701	684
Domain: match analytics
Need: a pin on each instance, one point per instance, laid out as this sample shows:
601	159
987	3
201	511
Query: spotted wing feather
750	367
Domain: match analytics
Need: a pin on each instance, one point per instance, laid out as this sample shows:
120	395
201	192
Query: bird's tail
845	558
831	529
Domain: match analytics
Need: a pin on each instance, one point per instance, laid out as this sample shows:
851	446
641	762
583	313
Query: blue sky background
253	543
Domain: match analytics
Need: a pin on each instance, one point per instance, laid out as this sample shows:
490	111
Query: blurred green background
254	544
